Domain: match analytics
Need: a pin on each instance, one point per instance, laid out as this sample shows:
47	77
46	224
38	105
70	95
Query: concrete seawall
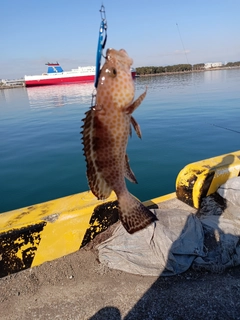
2	87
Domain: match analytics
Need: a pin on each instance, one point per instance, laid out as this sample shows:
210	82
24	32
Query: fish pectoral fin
128	172
136	127
136	103
133	214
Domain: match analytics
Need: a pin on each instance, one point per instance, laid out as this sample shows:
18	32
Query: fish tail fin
133	214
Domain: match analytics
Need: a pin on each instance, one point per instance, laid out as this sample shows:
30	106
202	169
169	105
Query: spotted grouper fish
105	135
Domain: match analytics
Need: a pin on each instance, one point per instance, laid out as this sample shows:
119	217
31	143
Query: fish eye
112	72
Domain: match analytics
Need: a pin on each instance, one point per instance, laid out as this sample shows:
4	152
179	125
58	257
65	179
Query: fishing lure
102	39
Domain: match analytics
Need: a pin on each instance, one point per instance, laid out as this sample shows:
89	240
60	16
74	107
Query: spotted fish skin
105	135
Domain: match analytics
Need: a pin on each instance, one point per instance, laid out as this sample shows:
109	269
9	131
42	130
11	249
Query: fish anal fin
128	172
136	103
133	214
136	127
130	130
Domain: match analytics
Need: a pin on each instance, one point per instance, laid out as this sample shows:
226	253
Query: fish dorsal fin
136	103
128	172
91	144
136	127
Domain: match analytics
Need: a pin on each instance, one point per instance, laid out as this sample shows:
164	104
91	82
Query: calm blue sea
40	148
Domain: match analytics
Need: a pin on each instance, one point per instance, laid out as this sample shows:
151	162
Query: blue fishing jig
102	39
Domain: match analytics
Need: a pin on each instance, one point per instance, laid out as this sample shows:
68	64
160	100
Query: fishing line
215	125
182	43
185	53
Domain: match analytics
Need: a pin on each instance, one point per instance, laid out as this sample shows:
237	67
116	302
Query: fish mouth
120	55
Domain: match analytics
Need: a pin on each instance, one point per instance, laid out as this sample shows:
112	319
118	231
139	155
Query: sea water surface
41	154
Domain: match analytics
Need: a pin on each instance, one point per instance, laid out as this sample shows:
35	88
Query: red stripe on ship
45	82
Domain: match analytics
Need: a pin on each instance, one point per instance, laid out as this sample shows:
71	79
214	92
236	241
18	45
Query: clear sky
153	32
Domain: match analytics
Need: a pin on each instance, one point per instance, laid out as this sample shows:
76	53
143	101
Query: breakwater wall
10	84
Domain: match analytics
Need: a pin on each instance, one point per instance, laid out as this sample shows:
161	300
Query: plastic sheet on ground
179	240
231	191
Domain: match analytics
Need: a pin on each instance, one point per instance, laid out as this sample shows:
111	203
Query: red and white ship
56	75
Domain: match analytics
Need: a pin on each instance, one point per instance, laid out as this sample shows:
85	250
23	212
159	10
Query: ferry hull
52	81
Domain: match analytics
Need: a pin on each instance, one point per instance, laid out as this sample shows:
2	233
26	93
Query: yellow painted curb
49	230
154	202
43	232
200	179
